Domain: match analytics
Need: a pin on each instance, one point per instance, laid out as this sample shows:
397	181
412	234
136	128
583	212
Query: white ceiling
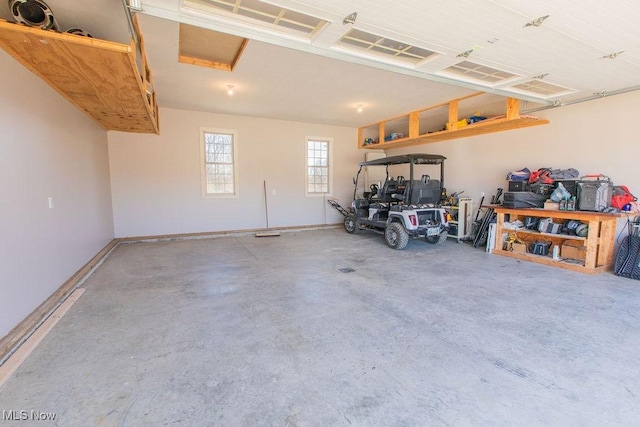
285	76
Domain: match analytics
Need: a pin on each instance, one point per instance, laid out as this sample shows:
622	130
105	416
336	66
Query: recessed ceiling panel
208	48
382	46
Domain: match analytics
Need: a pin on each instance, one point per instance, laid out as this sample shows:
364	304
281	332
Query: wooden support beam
513	108
453	115
414	124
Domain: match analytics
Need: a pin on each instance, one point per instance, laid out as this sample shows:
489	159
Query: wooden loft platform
99	77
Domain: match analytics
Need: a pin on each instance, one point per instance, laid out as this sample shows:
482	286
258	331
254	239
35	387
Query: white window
219	162
318	166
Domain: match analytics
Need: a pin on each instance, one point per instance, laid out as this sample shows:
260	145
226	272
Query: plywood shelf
537	234
99	77
509	121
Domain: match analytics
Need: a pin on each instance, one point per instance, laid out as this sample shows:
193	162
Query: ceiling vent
275	17
375	45
477	72
537	87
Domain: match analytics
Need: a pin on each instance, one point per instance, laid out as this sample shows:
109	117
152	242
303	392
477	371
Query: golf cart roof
416	159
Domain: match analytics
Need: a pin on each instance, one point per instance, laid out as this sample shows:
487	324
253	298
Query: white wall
597	136
156	179
47	149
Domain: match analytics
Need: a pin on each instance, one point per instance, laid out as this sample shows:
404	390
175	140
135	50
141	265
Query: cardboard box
573	250
552	206
519	247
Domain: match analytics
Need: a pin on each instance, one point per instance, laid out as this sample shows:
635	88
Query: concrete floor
246	331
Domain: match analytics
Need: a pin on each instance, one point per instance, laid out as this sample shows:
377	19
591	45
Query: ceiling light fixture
613	55
359	108
536	22
230	90
350	19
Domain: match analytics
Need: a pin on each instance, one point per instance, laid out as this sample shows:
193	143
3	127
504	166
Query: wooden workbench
599	241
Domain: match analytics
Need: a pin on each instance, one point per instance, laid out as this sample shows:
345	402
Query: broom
266	213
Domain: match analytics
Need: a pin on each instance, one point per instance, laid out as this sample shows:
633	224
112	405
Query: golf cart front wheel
351	224
396	236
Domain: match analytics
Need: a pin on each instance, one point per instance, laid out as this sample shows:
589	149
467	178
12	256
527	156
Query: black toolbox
523	199
518	185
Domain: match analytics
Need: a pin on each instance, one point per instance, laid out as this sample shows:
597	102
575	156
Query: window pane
317	166
219	163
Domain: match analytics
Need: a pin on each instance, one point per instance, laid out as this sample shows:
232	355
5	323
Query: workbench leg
593	240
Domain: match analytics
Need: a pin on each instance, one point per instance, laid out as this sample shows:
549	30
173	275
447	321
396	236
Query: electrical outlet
482	194
50	202
273	192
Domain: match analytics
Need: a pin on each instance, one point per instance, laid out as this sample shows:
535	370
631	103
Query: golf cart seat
425	190
388	189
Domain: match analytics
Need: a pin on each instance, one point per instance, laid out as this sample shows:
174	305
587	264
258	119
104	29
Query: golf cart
400	208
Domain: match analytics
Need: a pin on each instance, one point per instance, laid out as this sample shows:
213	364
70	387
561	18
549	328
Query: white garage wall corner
156	179
598	136
48	149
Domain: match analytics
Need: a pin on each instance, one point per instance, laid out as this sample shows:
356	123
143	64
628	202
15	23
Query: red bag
621	196
541	176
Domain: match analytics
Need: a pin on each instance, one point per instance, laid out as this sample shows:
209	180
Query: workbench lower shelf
597	247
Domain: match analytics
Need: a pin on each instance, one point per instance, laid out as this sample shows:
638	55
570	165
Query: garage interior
185	316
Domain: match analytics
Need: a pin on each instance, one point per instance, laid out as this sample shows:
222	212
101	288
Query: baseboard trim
23	330
212	234
20	355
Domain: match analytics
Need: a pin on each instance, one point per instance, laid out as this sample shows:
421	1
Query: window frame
203	163
329	142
